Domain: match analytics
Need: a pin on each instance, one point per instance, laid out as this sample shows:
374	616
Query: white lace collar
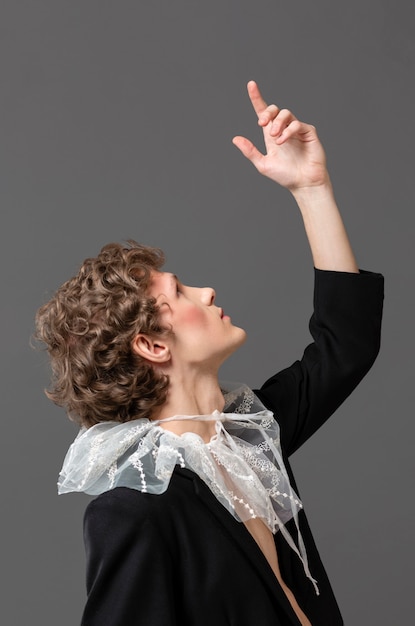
242	463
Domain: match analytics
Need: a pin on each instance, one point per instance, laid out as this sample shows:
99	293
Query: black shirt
180	558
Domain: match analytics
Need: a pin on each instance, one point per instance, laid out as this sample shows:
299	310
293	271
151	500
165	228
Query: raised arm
296	160
347	306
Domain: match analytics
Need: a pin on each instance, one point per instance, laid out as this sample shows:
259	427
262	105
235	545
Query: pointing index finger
257	100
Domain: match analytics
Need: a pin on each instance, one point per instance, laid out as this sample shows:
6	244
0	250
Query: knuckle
260	166
272	111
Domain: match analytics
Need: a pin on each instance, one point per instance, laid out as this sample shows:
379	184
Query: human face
202	334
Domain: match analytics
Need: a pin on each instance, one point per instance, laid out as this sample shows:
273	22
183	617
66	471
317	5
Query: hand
294	155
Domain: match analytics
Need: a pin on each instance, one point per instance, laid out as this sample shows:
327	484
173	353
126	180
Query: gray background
117	119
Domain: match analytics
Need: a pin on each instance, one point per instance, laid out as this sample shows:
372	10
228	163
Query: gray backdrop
117	119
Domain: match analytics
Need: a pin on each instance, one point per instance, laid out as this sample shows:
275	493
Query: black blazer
180	558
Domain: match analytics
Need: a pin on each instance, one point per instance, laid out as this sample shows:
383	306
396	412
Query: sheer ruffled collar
242	463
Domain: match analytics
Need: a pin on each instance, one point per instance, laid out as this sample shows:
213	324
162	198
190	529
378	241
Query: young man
198	520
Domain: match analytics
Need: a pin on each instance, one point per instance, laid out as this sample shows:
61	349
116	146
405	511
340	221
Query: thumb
249	151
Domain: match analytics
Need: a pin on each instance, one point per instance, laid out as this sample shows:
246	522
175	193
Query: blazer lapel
239	534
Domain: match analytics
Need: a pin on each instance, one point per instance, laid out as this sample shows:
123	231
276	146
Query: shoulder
124	505
124	519
121	498
120	510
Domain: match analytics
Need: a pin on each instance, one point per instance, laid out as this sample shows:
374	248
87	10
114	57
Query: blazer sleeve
345	327
129	567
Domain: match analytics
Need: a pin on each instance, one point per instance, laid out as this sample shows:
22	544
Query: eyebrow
174	279
174	282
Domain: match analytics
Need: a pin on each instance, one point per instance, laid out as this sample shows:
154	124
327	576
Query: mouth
223	316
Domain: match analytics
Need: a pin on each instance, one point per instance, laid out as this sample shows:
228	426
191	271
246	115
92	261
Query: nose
208	295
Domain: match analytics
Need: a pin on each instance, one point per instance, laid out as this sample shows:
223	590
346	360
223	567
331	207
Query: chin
242	331
244	336
240	339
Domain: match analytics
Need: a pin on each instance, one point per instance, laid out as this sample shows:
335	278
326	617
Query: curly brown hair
88	328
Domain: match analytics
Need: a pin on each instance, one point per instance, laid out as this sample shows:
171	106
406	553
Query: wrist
313	193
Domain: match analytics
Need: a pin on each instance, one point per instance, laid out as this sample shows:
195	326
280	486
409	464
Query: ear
153	349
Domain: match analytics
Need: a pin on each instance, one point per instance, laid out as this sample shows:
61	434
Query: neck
192	395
